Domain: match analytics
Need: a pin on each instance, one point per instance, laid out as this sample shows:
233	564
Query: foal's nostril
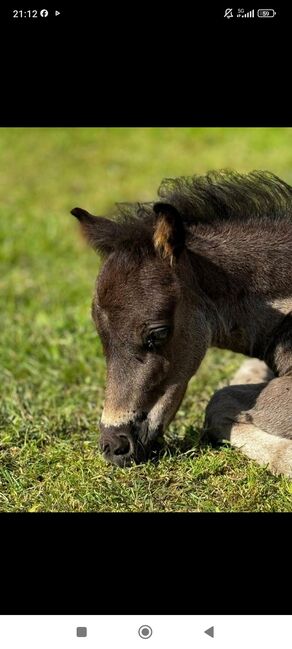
121	446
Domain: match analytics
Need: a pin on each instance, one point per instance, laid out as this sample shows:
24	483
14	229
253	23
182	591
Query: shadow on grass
172	445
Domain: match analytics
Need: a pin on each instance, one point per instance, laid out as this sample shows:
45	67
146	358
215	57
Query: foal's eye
156	337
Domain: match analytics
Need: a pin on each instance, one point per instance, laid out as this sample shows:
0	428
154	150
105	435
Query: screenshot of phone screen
146	328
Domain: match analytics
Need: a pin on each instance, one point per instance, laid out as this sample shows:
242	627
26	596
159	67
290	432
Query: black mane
224	195
217	196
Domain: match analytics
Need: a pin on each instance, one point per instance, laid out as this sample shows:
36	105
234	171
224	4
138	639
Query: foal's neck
242	270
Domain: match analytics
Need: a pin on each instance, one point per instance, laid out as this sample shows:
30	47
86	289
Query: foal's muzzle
126	445
117	445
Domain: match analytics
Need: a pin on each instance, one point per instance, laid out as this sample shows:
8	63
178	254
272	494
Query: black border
99	66
145	564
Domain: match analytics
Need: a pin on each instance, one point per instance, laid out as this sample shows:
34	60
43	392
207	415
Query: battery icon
266	13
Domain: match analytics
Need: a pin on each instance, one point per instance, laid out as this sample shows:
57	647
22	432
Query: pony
207	264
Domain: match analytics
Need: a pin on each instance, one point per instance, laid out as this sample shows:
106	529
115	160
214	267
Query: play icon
210	632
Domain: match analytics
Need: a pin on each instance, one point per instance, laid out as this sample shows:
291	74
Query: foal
207	265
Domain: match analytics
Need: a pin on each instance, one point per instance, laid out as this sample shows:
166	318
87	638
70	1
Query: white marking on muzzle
109	418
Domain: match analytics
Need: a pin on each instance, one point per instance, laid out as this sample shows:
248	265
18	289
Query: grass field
51	365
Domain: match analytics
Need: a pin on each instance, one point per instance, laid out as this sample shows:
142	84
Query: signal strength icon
250	14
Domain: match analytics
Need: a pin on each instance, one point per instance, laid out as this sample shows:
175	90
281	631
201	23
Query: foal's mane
224	195
217	196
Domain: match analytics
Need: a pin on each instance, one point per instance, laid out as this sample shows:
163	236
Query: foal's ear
100	233
169	236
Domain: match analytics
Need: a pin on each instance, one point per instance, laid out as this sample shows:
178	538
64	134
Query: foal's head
147	312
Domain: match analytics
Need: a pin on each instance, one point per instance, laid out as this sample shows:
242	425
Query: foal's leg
255	417
252	370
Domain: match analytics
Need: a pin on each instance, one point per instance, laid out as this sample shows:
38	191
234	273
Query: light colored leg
252	370
267	450
255	417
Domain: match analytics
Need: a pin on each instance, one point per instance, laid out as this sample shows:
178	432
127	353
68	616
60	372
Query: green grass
52	370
